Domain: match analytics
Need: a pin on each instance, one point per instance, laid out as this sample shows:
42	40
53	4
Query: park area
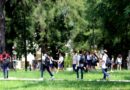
66	35
65	80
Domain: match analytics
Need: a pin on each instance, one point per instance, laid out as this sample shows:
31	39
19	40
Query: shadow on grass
127	78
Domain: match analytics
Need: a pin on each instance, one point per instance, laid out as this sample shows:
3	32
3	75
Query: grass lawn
69	82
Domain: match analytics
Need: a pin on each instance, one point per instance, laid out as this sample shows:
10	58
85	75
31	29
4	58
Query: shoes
41	78
108	77
52	78
103	79
78	79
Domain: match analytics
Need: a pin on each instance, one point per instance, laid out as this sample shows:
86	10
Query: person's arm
61	59
52	59
77	61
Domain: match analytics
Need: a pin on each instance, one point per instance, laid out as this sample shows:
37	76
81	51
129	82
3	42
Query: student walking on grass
119	61
112	63
104	67
45	63
74	59
5	60
80	65
60	62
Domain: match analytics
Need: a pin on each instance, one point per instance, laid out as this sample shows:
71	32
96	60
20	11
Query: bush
68	60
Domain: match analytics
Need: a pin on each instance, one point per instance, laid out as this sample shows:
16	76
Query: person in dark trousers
104	67
45	65
80	65
5	60
74	59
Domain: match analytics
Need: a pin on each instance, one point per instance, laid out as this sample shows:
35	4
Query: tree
59	21
115	18
2	26
20	26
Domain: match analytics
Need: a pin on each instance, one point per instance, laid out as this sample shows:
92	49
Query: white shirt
75	57
43	57
119	60
104	58
61	59
51	60
77	60
88	57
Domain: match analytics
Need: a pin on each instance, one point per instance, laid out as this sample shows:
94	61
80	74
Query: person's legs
120	66
89	64
77	72
58	68
112	67
47	67
74	66
81	72
4	73
42	70
107	75
104	73
51	67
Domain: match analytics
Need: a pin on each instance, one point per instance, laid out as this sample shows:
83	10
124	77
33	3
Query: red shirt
1	58
4	56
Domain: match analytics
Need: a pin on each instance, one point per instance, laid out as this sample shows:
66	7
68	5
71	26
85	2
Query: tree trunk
2	27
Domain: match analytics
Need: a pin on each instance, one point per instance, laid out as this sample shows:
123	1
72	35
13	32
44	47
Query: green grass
93	75
62	85
69	82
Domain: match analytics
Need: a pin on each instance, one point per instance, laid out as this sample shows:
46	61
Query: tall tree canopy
51	24
2	25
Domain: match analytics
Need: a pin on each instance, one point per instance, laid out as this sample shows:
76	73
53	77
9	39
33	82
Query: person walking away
119	62
60	62
94	60
80	65
52	68
104	67
112	63
89	60
5	64
74	59
45	65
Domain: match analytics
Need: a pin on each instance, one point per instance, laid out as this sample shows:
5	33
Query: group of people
47	63
84	60
80	61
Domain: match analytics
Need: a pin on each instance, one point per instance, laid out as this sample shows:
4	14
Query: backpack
46	62
94	59
108	62
82	59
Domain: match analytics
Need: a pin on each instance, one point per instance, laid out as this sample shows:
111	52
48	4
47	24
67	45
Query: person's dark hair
80	52
4	55
75	51
35	55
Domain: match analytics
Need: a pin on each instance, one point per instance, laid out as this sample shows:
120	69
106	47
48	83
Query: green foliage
68	60
58	21
20	25
115	23
52	23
